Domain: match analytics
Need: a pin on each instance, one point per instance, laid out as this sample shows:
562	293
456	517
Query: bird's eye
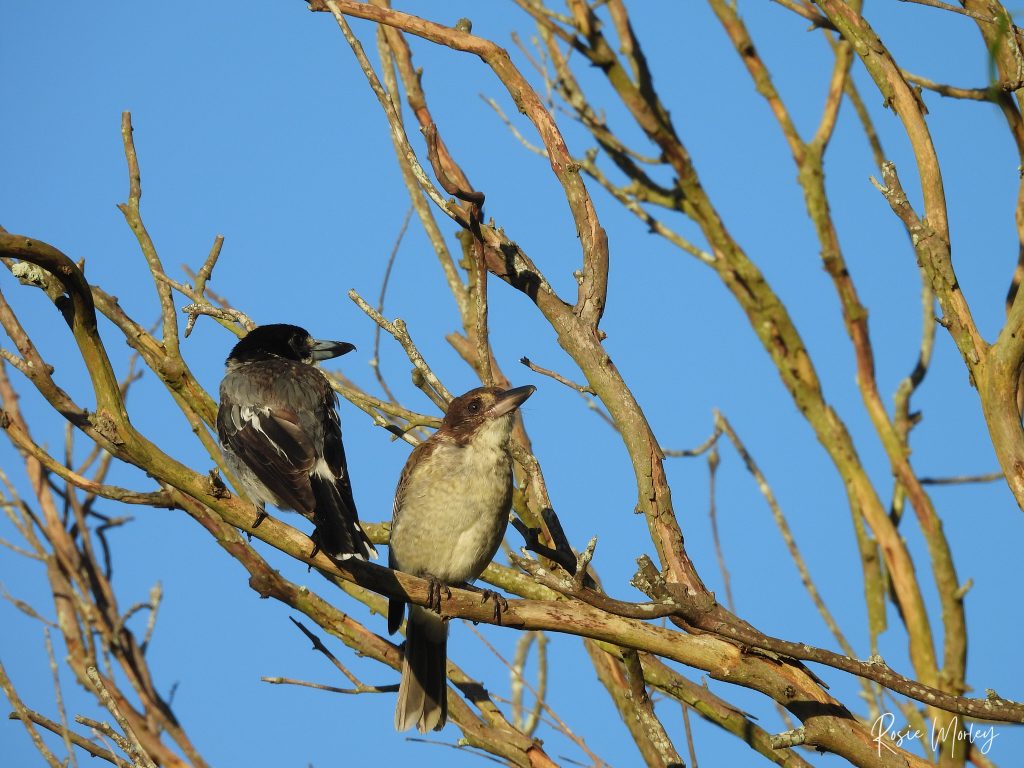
474	406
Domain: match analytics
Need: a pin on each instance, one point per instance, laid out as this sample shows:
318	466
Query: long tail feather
423	693
337	530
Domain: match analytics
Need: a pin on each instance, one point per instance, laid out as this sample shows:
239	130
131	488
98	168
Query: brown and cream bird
451	510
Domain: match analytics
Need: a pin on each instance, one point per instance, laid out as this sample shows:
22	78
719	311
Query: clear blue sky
254	122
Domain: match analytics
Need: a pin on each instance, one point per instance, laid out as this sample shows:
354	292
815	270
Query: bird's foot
500	603
434	589
261	515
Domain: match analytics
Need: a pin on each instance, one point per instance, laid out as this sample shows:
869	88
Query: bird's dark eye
474	406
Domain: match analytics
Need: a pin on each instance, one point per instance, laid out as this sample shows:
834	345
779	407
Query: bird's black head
286	341
470	412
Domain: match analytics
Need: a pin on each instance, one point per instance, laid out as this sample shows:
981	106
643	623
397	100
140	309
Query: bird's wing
426	447
396	606
334	455
336	518
271	442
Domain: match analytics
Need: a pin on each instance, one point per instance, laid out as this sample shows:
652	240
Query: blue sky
259	126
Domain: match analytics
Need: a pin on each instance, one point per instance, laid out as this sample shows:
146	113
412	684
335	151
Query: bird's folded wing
270	440
335	462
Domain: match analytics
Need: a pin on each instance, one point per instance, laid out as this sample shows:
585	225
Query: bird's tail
337	526
423	693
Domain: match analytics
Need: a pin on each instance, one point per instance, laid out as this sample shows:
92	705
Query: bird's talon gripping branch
434	589
261	515
500	603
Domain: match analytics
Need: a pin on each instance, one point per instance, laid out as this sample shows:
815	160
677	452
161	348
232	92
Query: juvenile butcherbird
281	435
451	510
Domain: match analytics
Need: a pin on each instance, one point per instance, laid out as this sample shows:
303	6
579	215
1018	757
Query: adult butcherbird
281	435
451	510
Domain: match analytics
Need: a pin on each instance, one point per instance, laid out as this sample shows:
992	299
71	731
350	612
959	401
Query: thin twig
713	460
389	416
581	388
106	729
156	594
19	550
397	132
431	385
461	747
59	698
704	447
627	197
989	477
586	392
560	724
786	532
375	360
801	9
133	217
318	645
225	314
25	608
689	734
950	91
218	298
528	723
953	9
515	131
201	278
330	688
23	441
23	713
206	271
108	701
394	52
79	741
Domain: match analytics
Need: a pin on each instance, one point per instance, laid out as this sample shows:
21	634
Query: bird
280	434
449	517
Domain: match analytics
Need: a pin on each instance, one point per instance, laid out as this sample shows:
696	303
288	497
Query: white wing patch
251	416
320	469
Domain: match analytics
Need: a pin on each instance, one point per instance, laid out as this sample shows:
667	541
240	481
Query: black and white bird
281	435
451	510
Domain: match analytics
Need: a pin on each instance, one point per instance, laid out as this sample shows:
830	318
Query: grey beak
512	399
325	350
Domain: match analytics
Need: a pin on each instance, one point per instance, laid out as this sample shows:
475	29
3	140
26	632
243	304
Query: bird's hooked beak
511	399
325	350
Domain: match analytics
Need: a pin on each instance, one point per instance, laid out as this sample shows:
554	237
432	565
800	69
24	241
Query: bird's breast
453	513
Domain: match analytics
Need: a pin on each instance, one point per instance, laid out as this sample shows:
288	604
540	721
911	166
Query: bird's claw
500	603
261	515
434	589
